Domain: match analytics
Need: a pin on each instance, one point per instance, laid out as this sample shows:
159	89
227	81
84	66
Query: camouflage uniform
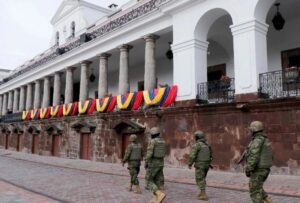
133	156
258	163
154	163
201	157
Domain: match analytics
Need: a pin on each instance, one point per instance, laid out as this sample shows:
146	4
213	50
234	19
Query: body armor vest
159	149
136	153
266	157
204	153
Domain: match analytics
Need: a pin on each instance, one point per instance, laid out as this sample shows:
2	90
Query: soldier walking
133	156
201	157
258	162
154	164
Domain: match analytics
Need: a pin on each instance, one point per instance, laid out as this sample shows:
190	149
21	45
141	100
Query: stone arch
206	21
262	8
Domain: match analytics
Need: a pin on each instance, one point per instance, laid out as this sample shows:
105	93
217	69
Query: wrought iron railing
218	91
279	84
14	117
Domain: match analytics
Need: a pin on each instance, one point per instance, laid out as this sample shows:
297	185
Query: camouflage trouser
257	179
134	172
147	178
200	174
155	178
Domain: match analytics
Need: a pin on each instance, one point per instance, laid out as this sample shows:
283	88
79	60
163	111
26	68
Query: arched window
73	29
57	39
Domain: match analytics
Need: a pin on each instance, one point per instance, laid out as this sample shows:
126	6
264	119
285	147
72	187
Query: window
290	58
57	39
73	29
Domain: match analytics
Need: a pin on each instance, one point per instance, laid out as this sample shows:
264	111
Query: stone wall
225	126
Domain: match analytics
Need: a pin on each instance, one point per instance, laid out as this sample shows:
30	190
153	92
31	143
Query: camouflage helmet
133	138
154	131
199	134
256	126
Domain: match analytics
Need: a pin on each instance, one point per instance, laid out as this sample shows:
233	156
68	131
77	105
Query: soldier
133	157
258	162
154	163
201	157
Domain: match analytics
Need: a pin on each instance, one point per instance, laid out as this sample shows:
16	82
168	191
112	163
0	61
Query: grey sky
25	28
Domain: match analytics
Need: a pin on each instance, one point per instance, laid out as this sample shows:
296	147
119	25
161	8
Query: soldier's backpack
266	156
159	149
136	153
204	155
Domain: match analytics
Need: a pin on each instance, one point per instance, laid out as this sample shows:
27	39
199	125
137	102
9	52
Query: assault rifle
242	157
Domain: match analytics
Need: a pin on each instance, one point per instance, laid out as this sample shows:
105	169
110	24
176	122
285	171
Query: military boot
154	199
202	195
268	200
138	189
129	188
160	196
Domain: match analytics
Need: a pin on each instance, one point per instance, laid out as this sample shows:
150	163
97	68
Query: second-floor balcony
280	84
218	91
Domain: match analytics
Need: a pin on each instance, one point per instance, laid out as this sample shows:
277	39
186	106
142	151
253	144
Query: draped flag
164	96
130	101
106	104
70	109
56	111
87	107
35	114
26	115
45	113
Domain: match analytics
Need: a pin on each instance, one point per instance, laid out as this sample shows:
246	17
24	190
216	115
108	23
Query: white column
250	55
46	92
29	97
4	107
69	85
56	89
103	66
84	81
190	67
16	101
150	69
37	95
124	66
22	99
10	101
1	103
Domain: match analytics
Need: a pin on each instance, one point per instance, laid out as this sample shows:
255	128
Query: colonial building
182	65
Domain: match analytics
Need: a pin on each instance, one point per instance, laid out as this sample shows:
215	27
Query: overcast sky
25	28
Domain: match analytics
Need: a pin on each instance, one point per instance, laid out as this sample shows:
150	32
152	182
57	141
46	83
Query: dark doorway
55	145
35	144
290	58
216	72
76	89
85	140
6	141
18	143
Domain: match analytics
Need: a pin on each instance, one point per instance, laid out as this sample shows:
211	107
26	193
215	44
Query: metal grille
218	91
279	84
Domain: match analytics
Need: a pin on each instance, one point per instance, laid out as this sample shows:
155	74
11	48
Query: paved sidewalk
276	184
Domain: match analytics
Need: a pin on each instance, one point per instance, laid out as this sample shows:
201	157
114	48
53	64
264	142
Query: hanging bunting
67	109
26	115
45	113
138	100
154	97
35	114
56	111
170	99
106	104
87	107
123	101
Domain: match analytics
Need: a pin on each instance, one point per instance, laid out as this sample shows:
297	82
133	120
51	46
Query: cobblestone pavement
71	185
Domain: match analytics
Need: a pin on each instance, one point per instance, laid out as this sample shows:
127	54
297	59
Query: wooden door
55	145
85	140
125	142
18	143
6	141
35	144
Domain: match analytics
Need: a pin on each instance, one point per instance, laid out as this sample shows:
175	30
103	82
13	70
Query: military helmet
133	138
199	134
256	126
154	131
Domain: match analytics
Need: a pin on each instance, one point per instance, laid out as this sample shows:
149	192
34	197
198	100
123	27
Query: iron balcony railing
280	84
218	91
